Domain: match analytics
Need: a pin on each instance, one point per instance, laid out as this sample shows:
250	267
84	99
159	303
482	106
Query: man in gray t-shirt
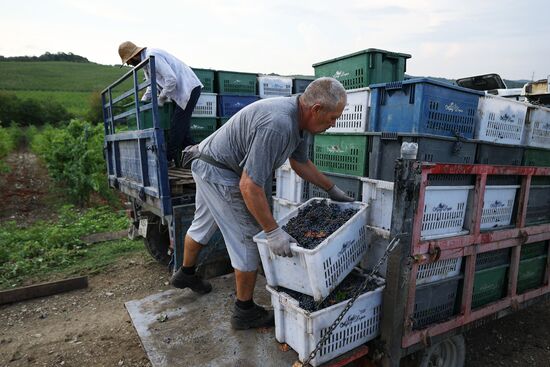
233	179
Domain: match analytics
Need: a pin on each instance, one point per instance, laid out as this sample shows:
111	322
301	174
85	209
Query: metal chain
391	246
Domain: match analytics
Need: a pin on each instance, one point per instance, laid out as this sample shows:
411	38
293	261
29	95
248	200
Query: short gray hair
328	92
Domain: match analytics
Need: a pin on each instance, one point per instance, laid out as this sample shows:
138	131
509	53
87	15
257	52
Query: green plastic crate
534	250
235	83
165	114
363	68
537	157
222	120
531	273
206	76
489	285
341	153
201	127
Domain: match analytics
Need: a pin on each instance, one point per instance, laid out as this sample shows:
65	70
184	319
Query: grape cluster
342	292
316	222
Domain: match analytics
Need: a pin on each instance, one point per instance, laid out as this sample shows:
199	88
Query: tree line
48	56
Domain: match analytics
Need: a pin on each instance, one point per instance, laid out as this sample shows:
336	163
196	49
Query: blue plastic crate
228	105
423	106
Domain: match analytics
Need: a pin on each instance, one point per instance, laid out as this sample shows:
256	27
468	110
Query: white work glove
163	99
338	195
145	98
279	242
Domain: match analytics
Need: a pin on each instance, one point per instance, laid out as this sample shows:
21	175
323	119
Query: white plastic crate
302	330
438	270
289	185
282	207
274	86
316	272
444	207
379	197
498	206
354	118
537	127
500	120
444	211
206	105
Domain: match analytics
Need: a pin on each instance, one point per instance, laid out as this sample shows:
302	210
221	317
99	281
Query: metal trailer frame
142	154
397	334
150	184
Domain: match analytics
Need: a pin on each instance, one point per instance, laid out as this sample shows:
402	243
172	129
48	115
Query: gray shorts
223	206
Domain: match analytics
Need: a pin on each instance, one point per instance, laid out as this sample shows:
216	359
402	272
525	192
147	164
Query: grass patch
99	256
55	246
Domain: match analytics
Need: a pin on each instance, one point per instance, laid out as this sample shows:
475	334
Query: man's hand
279	242
338	195
162	100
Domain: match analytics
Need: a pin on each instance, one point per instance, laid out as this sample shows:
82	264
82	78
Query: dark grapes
342	292
317	221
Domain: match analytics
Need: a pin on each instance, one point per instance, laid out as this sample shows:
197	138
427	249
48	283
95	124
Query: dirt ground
25	192
91	327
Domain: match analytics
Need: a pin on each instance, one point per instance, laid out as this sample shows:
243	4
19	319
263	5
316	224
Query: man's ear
317	108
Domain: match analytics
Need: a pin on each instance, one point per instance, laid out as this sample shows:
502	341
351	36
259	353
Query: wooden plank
42	290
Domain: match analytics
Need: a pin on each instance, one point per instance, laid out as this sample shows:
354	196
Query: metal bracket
435	253
524	236
426	339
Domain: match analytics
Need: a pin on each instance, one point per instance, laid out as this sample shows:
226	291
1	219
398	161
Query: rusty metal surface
180	328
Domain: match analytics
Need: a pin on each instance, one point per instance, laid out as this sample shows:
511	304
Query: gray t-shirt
258	139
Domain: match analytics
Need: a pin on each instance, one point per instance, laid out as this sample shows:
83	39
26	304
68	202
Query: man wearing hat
176	82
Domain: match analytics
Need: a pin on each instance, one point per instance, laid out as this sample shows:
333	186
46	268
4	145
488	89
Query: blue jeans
180	134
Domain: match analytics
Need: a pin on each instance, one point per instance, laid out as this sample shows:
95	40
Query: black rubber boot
194	282
255	317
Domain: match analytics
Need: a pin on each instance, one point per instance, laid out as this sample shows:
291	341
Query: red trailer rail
399	297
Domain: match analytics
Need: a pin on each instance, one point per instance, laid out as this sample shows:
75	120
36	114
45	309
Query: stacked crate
342	152
532	266
300	83
236	90
274	86
537	153
203	119
317	272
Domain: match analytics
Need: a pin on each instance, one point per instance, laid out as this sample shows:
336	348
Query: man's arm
254	197
256	202
168	75
309	172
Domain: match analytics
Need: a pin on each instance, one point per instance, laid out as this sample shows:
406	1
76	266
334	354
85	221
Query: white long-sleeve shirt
175	78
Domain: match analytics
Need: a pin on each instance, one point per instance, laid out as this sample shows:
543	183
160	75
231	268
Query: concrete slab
180	328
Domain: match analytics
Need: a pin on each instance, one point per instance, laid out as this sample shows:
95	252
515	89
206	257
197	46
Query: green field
69	83
57	76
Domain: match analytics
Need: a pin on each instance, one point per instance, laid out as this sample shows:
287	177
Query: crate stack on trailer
204	118
342	152
236	90
449	124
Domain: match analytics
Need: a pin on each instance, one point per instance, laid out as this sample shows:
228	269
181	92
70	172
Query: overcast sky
445	38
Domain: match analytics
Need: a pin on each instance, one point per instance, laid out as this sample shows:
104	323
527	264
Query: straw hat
127	50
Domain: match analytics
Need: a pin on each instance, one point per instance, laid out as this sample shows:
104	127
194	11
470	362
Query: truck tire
450	352
157	243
